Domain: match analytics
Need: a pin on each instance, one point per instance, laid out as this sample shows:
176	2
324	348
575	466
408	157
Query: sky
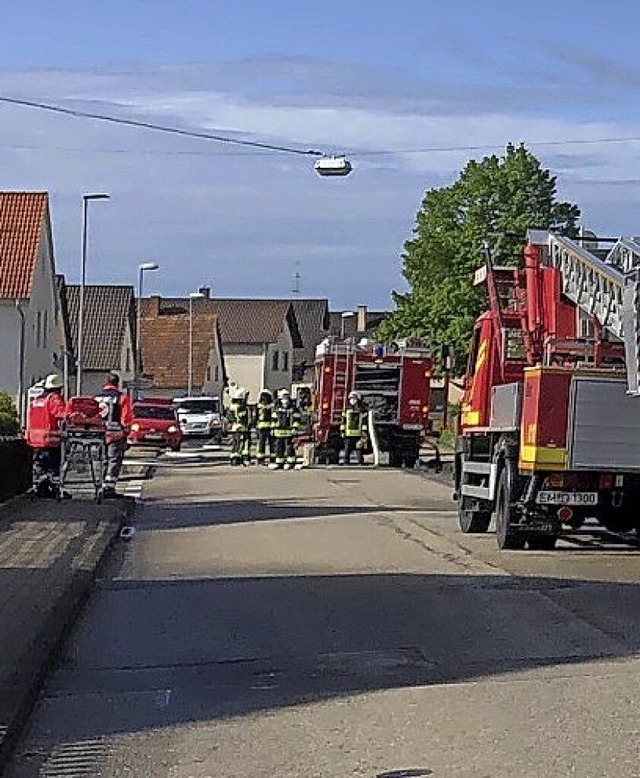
455	79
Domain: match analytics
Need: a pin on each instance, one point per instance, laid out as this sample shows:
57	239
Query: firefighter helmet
284	393
354	396
265	396
53	381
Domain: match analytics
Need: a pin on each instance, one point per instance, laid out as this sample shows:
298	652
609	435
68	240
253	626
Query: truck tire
472	521
507	537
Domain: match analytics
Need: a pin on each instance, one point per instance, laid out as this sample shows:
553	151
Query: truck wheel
472	521
507	537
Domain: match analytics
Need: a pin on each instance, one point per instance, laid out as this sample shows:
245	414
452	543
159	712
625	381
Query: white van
201	417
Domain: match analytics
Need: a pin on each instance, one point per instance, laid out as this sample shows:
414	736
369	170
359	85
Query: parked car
201	417
155	424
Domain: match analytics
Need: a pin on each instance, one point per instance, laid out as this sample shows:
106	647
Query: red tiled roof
164	343
22	216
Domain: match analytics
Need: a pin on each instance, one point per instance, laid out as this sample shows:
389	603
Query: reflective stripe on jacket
354	423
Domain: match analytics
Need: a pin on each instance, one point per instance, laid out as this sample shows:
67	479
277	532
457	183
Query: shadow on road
222	512
156	654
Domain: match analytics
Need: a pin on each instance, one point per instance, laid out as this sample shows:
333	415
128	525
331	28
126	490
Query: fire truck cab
393	381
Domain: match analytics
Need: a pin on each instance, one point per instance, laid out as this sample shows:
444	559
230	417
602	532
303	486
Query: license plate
154	437
567	498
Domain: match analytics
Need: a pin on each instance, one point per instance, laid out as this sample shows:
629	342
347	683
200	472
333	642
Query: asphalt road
331	623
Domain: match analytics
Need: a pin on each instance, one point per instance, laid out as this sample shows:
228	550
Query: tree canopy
500	195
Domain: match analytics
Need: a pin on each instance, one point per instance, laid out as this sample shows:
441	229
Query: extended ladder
606	288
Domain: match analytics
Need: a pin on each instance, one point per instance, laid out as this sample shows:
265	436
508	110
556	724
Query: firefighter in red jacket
43	435
116	411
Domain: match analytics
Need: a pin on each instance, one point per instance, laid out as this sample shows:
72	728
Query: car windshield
165	412
199	406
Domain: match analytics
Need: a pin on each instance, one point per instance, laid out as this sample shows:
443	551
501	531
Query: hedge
15	467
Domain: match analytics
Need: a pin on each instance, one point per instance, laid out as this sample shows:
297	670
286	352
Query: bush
9	424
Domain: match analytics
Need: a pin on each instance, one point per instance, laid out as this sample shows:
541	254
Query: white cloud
244	220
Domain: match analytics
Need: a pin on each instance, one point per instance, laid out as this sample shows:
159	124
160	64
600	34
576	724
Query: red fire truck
549	429
394	382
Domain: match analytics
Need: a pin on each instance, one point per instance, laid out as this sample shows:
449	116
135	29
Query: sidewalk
49	555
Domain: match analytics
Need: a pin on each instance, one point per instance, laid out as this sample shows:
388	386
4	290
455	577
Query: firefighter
264	427
43	435
285	425
116	411
239	419
353	428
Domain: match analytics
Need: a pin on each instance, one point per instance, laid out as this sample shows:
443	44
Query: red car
155	424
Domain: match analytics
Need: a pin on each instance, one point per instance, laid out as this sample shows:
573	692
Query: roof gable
241	320
22	217
108	310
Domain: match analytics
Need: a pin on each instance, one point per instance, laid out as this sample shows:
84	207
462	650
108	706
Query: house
164	344
314	323
361	323
109	332
32	331
258	337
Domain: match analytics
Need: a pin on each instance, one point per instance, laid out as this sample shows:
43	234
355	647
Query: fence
15	467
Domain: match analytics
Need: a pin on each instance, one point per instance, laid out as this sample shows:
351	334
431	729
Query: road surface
332	622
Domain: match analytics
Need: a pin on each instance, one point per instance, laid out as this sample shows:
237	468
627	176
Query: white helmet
239	393
354	395
284	393
53	381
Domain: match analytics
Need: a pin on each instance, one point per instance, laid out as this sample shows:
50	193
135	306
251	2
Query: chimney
205	291
154	305
361	321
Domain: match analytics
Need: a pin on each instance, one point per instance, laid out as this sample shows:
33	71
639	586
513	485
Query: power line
485	147
50	107
157	127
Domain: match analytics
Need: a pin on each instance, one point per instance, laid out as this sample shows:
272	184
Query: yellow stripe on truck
470	418
543	458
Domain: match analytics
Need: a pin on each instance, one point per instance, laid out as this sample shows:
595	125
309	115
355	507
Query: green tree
500	195
8	415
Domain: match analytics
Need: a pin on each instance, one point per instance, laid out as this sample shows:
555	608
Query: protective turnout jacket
286	421
354	423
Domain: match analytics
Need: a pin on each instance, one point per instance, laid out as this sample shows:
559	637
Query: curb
26	685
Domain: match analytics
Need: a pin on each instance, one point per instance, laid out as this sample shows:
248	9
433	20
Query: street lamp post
137	365
83	279
193	296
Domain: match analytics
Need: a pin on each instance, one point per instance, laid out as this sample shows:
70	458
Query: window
128	362
275	360
208	372
285	360
217	374
38	327
45	326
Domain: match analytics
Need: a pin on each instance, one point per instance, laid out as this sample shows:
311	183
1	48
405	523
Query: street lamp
83	279
344	316
192	296
137	366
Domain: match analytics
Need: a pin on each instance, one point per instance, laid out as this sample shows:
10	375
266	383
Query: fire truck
393	381
549	424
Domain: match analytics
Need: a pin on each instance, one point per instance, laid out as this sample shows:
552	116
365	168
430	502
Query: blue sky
347	76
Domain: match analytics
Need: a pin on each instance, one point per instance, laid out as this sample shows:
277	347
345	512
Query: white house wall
9	347
214	383
280	378
245	366
43	353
